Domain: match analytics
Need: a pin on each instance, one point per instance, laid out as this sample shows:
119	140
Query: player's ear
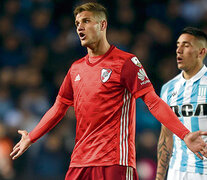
203	52
103	25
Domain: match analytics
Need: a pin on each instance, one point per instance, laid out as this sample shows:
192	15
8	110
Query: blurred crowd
38	43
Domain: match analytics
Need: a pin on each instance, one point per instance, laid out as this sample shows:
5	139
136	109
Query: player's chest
189	100
95	77
189	92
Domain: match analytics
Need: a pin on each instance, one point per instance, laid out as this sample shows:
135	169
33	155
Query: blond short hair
97	9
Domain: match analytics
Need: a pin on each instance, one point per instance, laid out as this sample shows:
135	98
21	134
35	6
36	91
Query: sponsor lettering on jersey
141	75
145	82
187	110
136	61
105	74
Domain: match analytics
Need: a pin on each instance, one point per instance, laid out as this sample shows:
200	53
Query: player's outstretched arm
22	145
48	121
164	152
163	113
196	144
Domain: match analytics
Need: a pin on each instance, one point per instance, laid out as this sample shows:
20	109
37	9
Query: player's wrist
186	136
30	139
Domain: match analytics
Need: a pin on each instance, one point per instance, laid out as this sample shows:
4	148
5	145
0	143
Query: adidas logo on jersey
77	78
142	74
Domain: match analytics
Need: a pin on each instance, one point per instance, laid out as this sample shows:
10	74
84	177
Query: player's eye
86	21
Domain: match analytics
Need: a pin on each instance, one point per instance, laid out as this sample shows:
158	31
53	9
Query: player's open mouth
179	59
82	36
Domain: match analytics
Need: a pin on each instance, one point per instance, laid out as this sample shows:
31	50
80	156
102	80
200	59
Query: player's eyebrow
86	18
183	42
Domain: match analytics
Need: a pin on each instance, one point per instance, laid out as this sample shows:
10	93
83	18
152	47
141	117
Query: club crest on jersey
202	90
105	74
136	61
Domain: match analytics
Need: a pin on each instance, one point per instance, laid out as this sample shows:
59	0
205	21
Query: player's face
88	28
187	52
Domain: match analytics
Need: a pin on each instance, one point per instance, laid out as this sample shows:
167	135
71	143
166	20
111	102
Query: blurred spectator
53	162
42	29
6	167
6	77
146	158
144	119
6	27
34	101
193	10
12	52
6	103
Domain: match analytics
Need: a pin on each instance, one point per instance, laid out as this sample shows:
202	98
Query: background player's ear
202	52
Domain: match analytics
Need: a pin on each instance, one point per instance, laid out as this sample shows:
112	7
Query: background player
187	96
102	87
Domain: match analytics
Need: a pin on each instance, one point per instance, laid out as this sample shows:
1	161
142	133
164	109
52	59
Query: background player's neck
99	48
189	74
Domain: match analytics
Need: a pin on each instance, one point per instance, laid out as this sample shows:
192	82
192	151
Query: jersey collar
106	54
196	76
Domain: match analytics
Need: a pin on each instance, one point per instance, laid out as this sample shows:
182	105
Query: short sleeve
65	94
134	77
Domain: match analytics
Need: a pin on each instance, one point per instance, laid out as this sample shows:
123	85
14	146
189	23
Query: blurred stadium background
38	43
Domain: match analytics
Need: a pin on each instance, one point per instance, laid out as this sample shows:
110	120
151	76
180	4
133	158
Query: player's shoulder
205	74
125	58
171	82
76	65
122	54
78	62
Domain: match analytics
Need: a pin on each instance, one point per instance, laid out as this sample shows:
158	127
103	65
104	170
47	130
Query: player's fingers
22	132
201	142
16	146
205	155
203	133
19	153
199	156
14	152
205	149
204	152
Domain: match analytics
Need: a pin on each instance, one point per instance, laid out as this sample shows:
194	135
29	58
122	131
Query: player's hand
196	144
22	145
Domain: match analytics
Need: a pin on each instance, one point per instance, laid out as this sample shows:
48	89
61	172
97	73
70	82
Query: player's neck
98	49
190	73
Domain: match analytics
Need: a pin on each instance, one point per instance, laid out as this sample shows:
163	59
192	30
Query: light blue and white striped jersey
188	99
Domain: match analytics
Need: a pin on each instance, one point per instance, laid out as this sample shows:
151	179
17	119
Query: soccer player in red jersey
103	87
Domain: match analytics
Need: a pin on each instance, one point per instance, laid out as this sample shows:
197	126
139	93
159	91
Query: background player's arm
164	152
49	120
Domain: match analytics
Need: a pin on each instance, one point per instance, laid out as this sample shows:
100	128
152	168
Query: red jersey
103	95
